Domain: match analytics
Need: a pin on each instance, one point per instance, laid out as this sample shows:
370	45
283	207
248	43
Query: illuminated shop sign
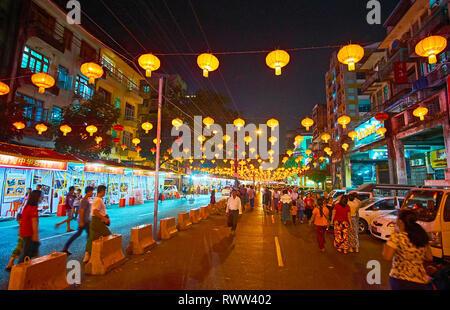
144	173
367	132
99	168
29	163
438	159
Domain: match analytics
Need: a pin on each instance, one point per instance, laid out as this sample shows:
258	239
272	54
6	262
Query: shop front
368	160
31	168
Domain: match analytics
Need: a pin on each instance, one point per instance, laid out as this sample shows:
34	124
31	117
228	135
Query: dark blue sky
239	25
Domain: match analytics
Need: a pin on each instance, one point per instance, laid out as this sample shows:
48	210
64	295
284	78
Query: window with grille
57	115
33	110
82	87
34	61
129	111
127	138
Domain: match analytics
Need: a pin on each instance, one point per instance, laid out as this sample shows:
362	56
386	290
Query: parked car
374	207
384	226
433	211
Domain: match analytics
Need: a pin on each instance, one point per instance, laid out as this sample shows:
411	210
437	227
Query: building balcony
438	76
130	121
372	79
53	37
398	97
387	68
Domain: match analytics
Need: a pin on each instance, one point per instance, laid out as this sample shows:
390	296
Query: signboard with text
367	132
29	163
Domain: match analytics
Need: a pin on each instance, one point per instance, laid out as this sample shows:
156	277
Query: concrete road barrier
183	221
43	273
141	239
204	213
167	228
195	216
106	255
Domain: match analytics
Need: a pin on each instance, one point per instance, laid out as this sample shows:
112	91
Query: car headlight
435	239
391	224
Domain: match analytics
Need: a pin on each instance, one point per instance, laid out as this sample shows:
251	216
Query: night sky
243	25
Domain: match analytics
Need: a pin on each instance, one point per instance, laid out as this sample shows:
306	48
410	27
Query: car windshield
424	202
369	201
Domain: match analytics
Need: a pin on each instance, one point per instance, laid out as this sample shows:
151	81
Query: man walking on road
233	205
84	220
100	220
70	198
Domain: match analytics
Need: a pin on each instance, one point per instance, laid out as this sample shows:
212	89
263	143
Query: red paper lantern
118	127
116	140
153	150
381	117
138	148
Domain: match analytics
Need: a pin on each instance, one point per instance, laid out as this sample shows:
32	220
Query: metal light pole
158	148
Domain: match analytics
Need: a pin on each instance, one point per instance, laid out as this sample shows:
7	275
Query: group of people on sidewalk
408	248
296	207
92	218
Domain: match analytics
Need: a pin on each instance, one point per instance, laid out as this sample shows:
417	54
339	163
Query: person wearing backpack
320	219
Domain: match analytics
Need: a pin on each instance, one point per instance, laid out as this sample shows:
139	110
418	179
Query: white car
384	226
374	207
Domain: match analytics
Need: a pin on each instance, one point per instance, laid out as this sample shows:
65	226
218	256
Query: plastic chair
14	207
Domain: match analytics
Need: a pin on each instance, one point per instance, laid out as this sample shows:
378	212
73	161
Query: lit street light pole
158	149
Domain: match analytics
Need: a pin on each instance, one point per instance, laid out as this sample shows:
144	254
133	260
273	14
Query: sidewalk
208	257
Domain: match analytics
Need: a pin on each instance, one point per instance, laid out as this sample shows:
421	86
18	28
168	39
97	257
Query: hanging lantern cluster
430	47
207	62
420	112
65	129
43	81
350	55
149	63
277	59
92	71
147	126
307	123
344	120
4	89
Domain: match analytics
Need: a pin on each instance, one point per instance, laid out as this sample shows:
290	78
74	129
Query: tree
95	111
11	112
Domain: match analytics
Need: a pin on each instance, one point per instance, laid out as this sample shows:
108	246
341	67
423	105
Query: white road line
145	214
9	226
67	233
277	246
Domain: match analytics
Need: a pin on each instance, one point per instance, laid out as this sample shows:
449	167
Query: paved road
122	219
264	255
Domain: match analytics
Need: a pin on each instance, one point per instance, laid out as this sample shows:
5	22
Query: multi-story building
47	43
398	81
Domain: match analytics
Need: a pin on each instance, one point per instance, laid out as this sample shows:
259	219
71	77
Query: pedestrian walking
213	197
70	198
408	249
99	221
309	205
320	219
29	227
84	219
77	202
286	201
355	204
300	209
267	199
342	223
233	206
251	197
294	211
276	197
